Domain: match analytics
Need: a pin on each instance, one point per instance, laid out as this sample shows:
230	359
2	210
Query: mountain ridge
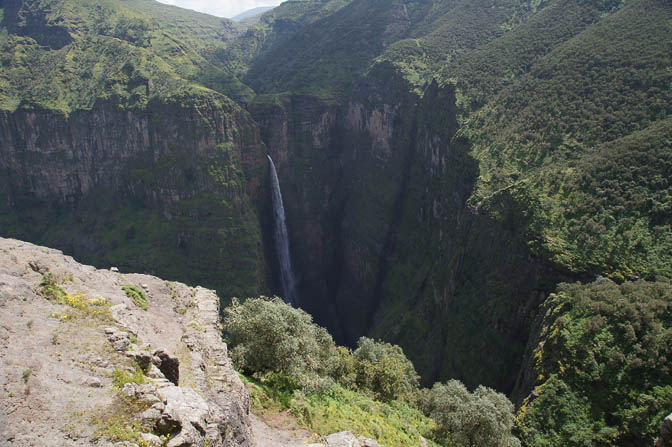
251	13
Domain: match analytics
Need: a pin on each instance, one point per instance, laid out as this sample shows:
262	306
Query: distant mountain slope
131	130
66	54
332	52
252	13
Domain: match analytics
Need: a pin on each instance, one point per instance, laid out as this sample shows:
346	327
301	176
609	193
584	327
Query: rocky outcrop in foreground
96	357
82	363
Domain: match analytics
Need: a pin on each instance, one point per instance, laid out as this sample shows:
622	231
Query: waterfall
282	240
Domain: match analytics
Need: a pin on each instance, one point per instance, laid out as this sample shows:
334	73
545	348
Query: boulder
125	317
38	267
665	439
152	415
129	389
92	382
342	439
143	358
120	340
184	417
366	442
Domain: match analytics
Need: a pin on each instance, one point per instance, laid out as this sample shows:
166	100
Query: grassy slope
313	61
132	50
417	37
394	424
449	29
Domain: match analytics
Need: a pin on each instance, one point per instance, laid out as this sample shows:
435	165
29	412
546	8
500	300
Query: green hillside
65	55
543	138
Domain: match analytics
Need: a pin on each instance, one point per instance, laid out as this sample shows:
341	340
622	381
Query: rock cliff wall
384	242
130	187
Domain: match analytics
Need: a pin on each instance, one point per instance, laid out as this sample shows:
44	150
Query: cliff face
181	175
82	363
383	239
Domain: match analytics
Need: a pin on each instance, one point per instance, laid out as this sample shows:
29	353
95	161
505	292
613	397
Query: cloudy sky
221	8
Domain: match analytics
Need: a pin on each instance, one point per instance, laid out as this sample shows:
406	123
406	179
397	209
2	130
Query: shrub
50	289
137	295
483	418
384	369
267	335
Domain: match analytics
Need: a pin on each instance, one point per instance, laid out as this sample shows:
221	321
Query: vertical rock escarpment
376	192
168	189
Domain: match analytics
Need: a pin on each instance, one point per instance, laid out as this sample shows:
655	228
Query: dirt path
278	436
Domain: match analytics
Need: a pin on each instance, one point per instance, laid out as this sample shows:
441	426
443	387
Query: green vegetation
49	288
481	418
81	305
114	50
380	367
84	307
586	171
372	391
265	335
121	421
121	377
138	295
219	243
602	366
394	424
610	212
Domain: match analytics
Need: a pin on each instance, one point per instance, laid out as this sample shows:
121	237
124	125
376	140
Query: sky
221	8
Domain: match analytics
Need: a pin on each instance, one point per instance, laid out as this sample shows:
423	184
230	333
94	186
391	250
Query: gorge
445	165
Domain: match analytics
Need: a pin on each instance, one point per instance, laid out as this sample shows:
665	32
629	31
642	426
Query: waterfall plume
287	278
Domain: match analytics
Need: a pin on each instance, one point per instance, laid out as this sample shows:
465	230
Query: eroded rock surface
62	358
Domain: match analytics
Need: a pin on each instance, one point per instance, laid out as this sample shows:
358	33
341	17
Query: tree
384	369
483	418
268	335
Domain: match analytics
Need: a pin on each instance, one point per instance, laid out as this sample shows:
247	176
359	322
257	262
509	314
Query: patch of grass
138	295
26	375
121	421
121	377
196	326
336	409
